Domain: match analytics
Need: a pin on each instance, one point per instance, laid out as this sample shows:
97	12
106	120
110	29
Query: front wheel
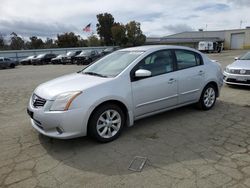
208	97
12	66
106	123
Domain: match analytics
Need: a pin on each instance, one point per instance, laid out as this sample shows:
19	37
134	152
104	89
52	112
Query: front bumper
82	60
66	60
58	124
236	79
37	62
55	61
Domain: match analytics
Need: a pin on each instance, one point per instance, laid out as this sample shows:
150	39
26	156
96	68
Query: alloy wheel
109	123
209	97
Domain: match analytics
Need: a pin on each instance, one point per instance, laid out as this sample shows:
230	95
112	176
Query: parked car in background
57	59
238	73
70	57
122	87
43	59
7	63
86	57
109	50
27	60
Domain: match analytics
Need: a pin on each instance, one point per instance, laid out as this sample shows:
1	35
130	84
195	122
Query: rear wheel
106	123
208	97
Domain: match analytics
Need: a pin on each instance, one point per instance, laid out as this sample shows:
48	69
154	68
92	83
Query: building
232	39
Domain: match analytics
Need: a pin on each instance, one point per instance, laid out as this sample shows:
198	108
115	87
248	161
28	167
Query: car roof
149	48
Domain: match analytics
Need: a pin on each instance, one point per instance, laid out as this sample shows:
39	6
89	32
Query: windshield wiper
95	74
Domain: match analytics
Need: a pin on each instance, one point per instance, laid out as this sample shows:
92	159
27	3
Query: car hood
82	56
37	58
57	58
240	64
25	59
71	82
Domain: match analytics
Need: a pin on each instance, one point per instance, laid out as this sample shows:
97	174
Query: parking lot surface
185	147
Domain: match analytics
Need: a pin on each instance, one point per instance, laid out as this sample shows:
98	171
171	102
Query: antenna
241	23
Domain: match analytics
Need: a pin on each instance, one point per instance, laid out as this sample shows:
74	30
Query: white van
209	46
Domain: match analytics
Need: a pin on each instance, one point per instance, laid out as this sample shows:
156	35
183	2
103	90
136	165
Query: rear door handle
171	80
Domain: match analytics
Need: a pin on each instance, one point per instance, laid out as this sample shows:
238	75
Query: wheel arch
123	107
215	85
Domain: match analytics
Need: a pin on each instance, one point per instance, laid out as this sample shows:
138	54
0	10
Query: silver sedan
122	87
238	73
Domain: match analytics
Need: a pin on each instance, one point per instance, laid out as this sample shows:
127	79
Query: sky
47	18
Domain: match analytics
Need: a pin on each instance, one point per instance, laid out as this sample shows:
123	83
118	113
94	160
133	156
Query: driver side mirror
142	73
236	58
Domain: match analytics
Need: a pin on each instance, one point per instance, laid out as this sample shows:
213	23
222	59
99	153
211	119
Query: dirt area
185	147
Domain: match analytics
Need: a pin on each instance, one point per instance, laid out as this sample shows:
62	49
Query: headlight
64	100
227	70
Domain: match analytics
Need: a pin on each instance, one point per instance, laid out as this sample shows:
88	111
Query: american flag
87	28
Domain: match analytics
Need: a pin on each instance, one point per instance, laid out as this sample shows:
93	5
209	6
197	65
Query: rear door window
186	59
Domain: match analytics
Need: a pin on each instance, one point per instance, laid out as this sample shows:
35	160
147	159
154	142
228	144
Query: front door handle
171	80
201	72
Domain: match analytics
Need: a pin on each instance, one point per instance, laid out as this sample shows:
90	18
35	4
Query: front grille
38	101
240	71
237	81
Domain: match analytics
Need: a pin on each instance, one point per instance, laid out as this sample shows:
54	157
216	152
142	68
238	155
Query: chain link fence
20	54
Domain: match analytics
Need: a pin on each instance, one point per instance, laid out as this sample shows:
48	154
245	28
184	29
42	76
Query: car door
191	75
1	63
158	91
7	62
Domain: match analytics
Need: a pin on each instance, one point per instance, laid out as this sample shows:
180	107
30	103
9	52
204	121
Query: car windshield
59	55
41	55
113	64
245	56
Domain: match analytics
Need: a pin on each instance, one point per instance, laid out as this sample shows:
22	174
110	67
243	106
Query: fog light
59	130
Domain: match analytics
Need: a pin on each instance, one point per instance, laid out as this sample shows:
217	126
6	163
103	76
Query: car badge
242	71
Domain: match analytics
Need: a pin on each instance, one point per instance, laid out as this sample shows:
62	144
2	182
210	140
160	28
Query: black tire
94	119
211	102
12	65
90	60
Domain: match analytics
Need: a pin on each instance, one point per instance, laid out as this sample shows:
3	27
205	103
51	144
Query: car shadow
241	87
183	136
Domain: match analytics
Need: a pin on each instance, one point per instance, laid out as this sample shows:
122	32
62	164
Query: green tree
134	34
67	40
49	43
93	40
16	42
103	27
82	42
119	34
2	43
35	43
